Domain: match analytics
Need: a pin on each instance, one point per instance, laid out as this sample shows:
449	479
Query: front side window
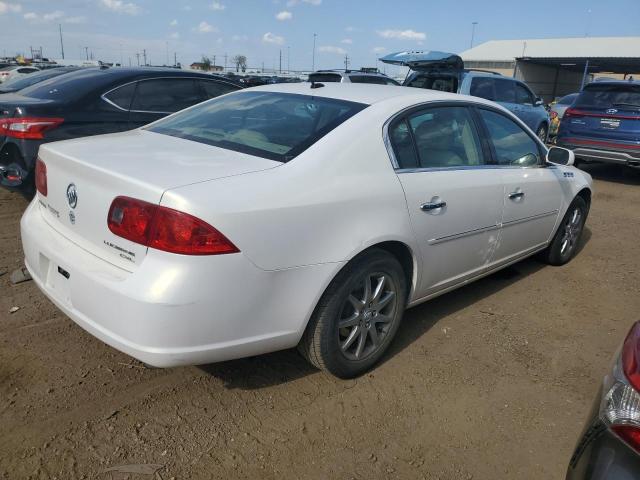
512	145
523	96
505	91
165	95
277	126
442	137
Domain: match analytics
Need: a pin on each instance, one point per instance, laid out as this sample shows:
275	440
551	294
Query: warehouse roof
585	47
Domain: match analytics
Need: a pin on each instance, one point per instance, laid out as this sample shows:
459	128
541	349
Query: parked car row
91	101
15	71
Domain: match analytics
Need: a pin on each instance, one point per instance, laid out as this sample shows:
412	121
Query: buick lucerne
304	215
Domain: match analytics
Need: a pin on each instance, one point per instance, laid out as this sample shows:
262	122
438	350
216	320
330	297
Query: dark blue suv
603	124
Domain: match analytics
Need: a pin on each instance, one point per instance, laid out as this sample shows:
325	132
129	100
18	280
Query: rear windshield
568	99
325	77
277	126
607	96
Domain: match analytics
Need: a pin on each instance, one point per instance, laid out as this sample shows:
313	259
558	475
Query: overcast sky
260	29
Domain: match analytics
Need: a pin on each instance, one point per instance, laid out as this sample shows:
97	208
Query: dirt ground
492	381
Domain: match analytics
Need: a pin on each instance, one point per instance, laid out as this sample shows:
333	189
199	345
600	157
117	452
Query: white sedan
14	72
296	214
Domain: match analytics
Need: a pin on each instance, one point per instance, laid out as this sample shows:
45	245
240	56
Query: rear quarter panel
331	202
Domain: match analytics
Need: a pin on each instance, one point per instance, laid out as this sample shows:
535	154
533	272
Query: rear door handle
432	206
515	195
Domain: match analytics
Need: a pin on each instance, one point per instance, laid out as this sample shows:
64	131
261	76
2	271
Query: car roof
365	92
86	80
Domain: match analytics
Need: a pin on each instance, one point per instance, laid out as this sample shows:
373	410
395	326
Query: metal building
558	66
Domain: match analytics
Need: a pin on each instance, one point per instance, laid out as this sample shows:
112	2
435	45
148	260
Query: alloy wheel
572	230
367	315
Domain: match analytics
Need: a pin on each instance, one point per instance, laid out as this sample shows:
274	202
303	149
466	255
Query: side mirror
538	102
561	156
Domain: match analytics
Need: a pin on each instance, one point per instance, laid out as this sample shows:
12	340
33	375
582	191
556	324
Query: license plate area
57	279
610	123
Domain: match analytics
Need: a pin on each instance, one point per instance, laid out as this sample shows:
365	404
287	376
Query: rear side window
482	87
443	137
121	96
27	70
512	145
325	77
277	126
165	95
214	89
505	90
599	96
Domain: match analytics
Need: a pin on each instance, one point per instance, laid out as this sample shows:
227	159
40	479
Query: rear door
454	202
158	97
532	191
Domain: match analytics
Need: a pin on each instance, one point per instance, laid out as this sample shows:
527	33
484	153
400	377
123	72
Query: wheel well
403	254
585	193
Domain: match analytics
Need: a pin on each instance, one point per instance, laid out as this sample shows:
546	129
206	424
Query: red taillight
165	229
41	177
572	112
628	433
31	128
630	356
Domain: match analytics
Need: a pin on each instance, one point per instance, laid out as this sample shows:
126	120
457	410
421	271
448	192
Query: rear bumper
173	309
605	154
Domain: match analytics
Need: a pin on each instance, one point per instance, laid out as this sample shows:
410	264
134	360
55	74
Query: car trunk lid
85	175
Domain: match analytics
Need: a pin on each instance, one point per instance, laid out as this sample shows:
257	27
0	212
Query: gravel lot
492	381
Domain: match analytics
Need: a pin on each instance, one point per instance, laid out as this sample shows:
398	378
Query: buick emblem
612	110
72	195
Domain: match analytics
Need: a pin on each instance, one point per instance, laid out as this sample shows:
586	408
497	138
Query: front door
455	202
532	190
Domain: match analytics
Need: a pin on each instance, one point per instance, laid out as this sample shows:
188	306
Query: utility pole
214	62
138	58
346	62
175	59
473	32
280	60
144	54
313	56
86	51
61	44
225	62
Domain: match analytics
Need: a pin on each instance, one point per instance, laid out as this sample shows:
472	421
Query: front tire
565	242
357	316
543	133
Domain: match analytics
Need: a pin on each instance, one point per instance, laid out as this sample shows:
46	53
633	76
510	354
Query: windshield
607	96
277	126
19	83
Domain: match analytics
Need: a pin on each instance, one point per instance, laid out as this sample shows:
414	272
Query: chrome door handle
432	206
514	195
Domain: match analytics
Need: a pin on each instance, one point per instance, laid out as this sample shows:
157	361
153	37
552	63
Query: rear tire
357	317
565	242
